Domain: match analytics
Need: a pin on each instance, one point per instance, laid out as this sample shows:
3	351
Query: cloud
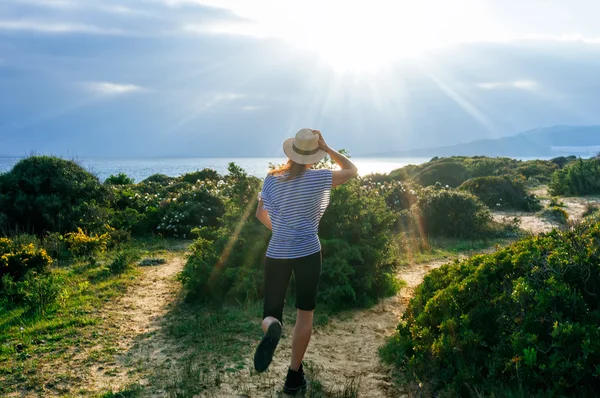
518	84
250	108
107	88
566	38
56	27
119	9
49	3
226	28
228	96
222	97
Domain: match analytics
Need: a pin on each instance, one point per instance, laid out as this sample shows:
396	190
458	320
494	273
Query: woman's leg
307	272
301	337
277	277
276	280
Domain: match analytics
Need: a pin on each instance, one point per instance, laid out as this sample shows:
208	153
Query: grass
35	348
424	251
348	388
131	391
216	341
555	214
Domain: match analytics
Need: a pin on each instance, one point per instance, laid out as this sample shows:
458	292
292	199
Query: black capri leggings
307	271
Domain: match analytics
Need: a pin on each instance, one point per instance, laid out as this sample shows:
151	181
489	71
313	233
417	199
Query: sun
366	36
362	35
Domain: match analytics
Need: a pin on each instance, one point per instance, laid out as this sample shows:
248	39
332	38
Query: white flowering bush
398	195
201	205
170	206
504	192
135	210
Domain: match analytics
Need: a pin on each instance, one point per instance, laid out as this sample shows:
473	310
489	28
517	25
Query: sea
139	169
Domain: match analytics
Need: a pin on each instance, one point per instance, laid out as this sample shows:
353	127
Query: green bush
590	209
480	166
502	193
43	193
17	259
226	263
201	175
122	260
119	179
117	237
555	214
4	221
449	213
539	169
556	202
447	173
522	320
581	177
562	161
55	245
161	179
454	170
35	290
356	231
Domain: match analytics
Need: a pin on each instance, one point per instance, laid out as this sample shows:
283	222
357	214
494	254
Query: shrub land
68	242
523	320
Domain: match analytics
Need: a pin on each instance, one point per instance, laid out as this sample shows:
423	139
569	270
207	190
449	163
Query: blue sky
236	77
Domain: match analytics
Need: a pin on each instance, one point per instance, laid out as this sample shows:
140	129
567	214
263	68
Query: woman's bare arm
263	215
348	169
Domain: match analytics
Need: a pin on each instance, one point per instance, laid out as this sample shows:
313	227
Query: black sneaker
294	382
264	352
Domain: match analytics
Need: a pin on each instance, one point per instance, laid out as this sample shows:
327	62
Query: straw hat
304	147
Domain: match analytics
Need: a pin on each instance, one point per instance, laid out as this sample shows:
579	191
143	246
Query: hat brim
301	159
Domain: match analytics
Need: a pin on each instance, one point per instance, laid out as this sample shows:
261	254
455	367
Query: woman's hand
322	144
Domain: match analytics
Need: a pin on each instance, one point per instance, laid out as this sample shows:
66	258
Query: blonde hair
294	169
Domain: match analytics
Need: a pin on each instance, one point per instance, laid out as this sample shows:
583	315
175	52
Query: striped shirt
295	208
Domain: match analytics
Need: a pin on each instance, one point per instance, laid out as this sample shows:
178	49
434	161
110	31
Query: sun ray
460	99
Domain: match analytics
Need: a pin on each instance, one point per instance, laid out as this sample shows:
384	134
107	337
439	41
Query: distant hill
548	141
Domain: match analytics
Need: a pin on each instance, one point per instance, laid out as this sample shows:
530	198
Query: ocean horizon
142	168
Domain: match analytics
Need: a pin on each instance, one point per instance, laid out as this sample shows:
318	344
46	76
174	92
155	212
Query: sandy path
135	320
533	223
344	350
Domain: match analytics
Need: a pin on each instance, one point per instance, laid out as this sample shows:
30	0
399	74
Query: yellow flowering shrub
81	244
16	260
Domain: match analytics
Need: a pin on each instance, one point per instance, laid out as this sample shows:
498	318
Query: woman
292	202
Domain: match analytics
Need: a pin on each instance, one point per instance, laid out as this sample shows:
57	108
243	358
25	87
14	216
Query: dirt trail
533	223
135	320
345	349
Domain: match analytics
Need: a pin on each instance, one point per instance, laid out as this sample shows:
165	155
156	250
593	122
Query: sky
234	78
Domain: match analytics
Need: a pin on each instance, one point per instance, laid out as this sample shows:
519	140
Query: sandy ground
344	350
533	223
136	320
